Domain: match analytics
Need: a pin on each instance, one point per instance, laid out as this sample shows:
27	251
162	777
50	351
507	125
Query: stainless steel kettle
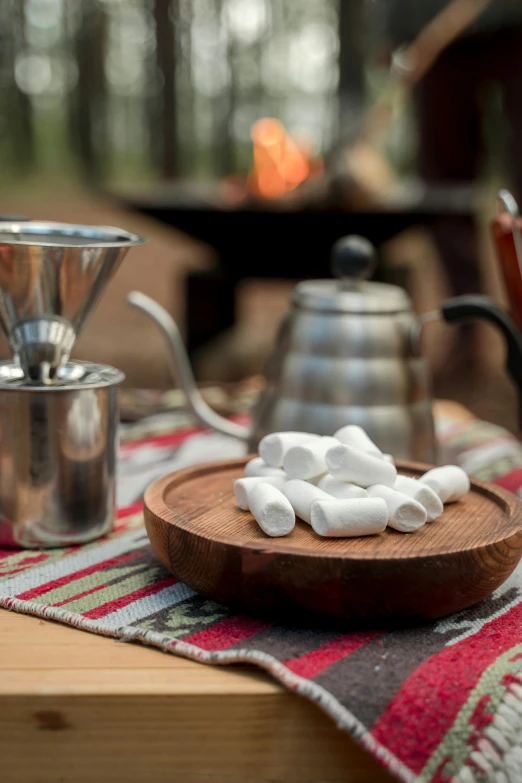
347	353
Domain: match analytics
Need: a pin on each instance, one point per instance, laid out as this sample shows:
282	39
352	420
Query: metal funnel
51	277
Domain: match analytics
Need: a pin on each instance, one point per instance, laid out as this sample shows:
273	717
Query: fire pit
280	222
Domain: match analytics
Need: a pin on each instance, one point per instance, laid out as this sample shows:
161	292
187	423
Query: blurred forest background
127	91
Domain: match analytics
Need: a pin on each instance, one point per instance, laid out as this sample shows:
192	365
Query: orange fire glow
280	164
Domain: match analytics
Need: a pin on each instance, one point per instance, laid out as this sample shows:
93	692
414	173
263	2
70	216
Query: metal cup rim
116	237
117	378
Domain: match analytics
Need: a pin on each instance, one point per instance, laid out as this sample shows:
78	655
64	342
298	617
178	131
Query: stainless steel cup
57	455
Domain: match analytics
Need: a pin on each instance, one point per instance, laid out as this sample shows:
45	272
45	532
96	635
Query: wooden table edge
63	685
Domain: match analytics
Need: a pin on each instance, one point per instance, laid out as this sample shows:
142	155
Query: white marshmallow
422	494
258	467
301	495
450	482
271	510
243	486
341	490
355	436
389	458
404	513
358	467
306	461
345	518
272	448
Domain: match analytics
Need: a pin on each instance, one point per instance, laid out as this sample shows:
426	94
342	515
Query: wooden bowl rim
155	505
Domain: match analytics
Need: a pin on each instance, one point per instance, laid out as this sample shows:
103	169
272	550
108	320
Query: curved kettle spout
181	368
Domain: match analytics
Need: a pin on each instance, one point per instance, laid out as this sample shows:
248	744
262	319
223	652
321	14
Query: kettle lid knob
353	258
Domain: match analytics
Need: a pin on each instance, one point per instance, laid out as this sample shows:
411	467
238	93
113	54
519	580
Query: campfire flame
280	164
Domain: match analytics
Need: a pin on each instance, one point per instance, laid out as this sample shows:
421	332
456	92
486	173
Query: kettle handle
464	308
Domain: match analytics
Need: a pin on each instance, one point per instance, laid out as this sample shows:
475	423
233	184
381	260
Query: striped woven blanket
439	703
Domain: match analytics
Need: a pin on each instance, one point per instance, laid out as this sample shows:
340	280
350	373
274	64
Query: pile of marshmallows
341	486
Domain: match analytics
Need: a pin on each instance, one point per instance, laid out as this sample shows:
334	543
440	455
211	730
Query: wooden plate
200	534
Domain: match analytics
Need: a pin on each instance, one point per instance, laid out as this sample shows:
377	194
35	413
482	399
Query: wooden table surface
80	708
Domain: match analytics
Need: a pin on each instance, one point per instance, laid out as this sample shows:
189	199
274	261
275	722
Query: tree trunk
224	109
351	66
88	101
20	113
164	14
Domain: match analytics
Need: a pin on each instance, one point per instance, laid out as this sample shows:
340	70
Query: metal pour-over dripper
51	277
